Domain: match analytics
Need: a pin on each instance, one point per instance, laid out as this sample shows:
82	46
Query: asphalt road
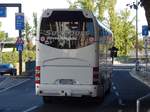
122	98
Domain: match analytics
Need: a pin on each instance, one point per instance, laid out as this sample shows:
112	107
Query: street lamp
135	5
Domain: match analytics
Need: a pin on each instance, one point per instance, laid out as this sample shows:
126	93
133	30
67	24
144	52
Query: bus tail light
37	74
95	75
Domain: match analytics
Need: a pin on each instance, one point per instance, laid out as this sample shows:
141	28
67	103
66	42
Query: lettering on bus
58	34
66	40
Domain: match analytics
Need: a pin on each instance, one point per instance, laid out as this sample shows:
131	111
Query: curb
139	76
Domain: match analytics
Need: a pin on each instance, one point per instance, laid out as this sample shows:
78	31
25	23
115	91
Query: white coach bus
72	56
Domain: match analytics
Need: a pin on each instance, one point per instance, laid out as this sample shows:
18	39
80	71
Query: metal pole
1	51
139	100
136	35
146	53
138	106
20	52
112	60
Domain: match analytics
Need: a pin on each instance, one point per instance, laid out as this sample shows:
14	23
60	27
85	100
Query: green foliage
141	44
27	35
91	5
12	57
27	31
122	28
3	35
124	33
28	54
102	5
34	29
84	4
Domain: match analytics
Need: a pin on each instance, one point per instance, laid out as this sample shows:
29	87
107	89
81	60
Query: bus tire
98	99
47	99
109	88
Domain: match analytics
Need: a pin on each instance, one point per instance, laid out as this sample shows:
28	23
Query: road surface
122	98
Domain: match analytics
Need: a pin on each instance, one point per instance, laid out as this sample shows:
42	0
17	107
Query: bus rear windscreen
67	30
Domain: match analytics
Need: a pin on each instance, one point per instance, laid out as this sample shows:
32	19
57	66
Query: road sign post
145	36
2	11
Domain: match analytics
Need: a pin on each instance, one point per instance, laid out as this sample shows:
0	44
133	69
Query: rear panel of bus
66	54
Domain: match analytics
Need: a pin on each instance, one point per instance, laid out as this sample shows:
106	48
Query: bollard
138	106
138	102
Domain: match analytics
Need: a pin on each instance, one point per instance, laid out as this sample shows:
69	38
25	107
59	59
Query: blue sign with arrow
19	47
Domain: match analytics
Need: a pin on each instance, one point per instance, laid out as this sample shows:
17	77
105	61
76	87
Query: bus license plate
66	81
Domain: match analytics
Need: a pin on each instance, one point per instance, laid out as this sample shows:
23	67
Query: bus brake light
95	75
37	74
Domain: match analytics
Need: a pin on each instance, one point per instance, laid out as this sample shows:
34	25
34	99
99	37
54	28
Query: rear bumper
69	90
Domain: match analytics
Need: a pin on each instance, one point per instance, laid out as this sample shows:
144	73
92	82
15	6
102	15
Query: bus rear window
68	30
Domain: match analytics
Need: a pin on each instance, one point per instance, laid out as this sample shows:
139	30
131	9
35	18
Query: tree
34	29
124	32
3	35
146	4
102	5
121	26
96	6
27	35
83	4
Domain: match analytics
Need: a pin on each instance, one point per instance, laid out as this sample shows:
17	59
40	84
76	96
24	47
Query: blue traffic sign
144	30
19	47
19	20
2	11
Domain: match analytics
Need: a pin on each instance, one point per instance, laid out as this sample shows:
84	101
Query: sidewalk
142	75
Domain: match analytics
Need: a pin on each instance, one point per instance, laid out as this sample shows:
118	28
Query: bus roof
86	13
105	27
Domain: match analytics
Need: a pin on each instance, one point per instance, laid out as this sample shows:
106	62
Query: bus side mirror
113	52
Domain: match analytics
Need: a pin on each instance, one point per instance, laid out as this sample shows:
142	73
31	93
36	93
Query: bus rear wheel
47	99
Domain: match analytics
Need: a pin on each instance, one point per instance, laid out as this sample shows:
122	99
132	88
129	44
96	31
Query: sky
30	6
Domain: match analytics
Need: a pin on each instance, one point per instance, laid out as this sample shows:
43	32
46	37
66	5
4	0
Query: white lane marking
30	109
114	87
5	80
120	102
14	85
117	94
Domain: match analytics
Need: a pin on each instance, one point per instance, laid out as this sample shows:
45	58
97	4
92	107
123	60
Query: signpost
145	35
19	25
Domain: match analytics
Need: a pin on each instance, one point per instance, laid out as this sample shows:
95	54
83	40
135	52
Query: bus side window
90	28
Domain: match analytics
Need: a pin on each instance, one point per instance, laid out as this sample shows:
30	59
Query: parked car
7	69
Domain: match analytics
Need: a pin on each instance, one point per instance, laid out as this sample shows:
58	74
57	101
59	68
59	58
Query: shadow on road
69	105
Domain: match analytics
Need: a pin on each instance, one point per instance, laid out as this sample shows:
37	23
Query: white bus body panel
69	90
70	71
